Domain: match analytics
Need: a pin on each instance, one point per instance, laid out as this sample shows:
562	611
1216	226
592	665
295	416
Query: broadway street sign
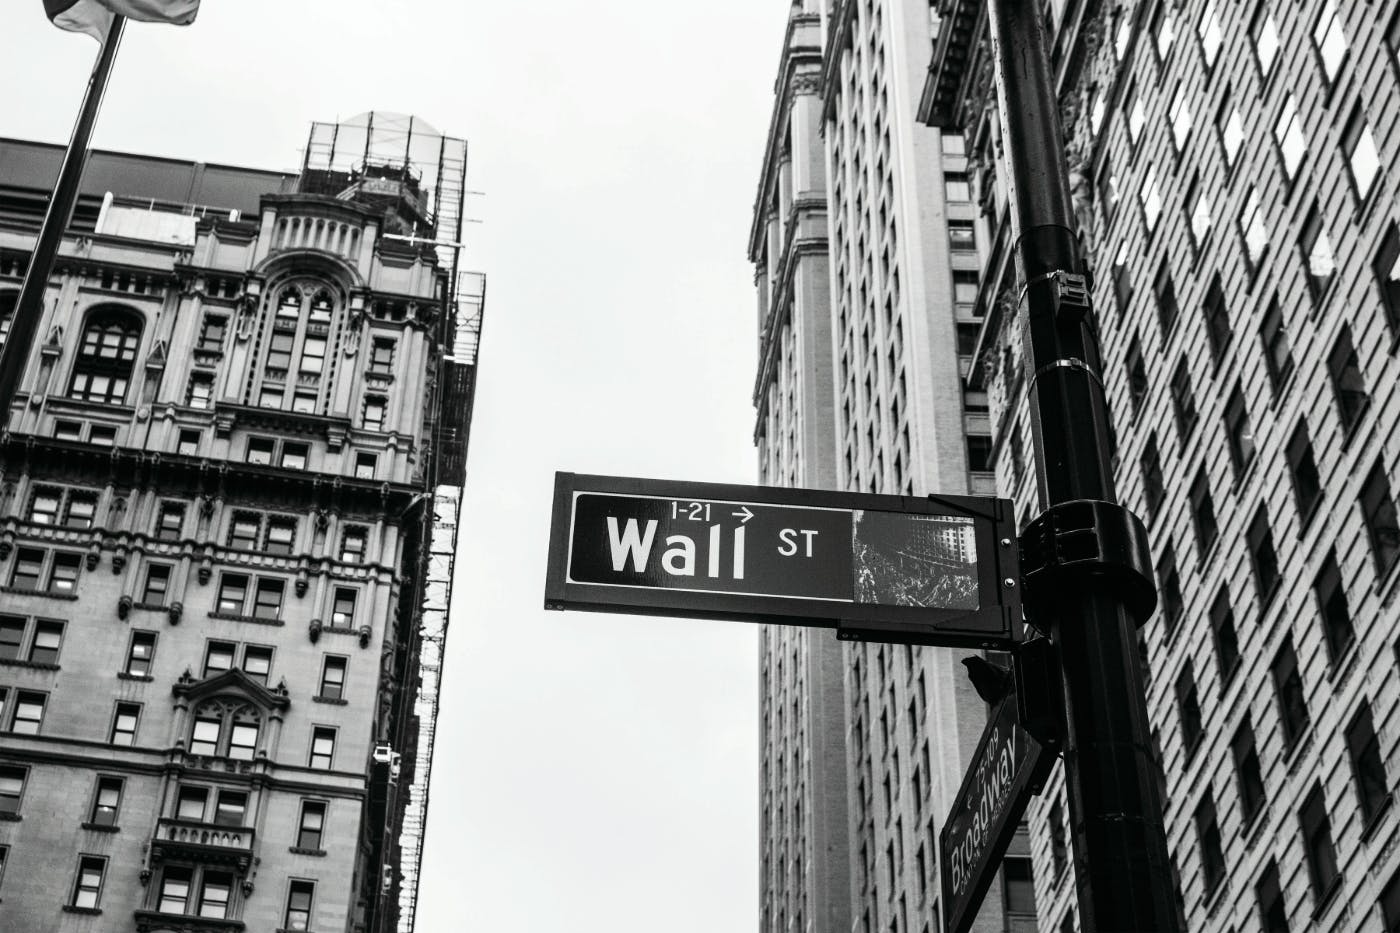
927	571
1006	770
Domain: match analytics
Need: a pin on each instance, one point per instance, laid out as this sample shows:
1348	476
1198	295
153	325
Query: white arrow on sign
744	511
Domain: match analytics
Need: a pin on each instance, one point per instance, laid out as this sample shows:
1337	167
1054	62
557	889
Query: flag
94	17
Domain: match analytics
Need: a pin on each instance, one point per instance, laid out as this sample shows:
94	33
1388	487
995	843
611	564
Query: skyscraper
866	267
1232	167
228	503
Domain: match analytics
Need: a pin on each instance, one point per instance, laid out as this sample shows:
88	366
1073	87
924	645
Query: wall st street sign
925	571
1006	770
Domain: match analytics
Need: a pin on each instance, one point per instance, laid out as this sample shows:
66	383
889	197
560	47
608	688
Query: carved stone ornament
314	631
365	632
177	609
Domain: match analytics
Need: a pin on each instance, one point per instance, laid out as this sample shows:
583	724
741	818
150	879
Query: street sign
1006	770
924	571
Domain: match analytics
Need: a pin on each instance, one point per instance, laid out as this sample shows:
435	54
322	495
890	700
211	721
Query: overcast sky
593	772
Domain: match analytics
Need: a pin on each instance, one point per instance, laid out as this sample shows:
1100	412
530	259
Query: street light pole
1085	559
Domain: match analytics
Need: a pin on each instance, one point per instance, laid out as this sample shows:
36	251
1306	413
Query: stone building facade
1232	167
214	505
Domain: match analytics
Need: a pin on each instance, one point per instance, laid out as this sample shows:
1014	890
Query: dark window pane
1348	386
1203	512
1378	511
1336	614
1307	487
1188	708
1372	788
1248	776
1317	843
1227	645
1288	686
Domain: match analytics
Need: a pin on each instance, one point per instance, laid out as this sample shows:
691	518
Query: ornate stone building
247	396
1233	175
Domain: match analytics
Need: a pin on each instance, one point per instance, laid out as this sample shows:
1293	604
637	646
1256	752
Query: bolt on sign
941	570
1007	769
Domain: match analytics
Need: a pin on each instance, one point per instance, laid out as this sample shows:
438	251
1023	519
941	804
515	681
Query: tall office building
228	504
1232	167
866	266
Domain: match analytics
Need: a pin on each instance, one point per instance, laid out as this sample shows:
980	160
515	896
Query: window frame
99	812
317	751
82	888
144	636
119	735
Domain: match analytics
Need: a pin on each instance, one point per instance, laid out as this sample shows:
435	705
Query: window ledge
1305	521
88	911
1342	667
1351	430
123	675
101	828
235	617
1254	822
32	665
298	850
47	594
1292	754
7	817
1370	829
331	700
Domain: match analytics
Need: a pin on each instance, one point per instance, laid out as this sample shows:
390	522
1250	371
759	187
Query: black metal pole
29	307
1121	863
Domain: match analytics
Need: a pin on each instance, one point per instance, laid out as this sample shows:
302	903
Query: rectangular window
102	436
1239	435
281	535
1288	687
1059	850
157	585
373	419
124	724
44	505
1359	146
1219	331
1262	556
1253	231
175	889
82	508
260	450
965	287
63	575
67	430
1122	278
961	235
1018	886
211	333
1203	513
1208	29
1108	192
352	545
188	444
1164	31
1183	400
87	887
313	354
106	801
232	808
204	738
244	531
12	778
242	743
1226	639
271	397
1331	595
1230	126
201	391
1208	838
1319	265
1179	117
1387	271
1264	33
1151	466
293	456
1317	844
1367	766
1150	196
1172	605
322	747
304	402
1330	41
1307	487
381	356
279	350
214	892
332	678
1278	355
1249	778
1390	895
1165	294
29	567
141	653
365	465
11	637
1137	116
1288	136
257	663
343	607
1198	213
190	803
170	521
955	187
1348	385
1379	514
311	825
268	602
48	636
1188	709
299	897
218	657
233	590
1137	375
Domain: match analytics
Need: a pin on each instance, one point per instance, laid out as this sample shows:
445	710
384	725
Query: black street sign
927	571
1006	770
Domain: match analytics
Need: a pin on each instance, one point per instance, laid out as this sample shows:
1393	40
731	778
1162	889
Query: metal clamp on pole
1086	538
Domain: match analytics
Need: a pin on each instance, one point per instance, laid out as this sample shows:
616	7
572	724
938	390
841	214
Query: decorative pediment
226	686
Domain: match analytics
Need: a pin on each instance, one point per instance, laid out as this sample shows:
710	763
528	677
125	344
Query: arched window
227	728
106	356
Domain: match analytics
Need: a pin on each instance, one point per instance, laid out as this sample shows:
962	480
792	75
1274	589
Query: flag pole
29	306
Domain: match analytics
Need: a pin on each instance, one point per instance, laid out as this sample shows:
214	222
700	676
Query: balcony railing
206	842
